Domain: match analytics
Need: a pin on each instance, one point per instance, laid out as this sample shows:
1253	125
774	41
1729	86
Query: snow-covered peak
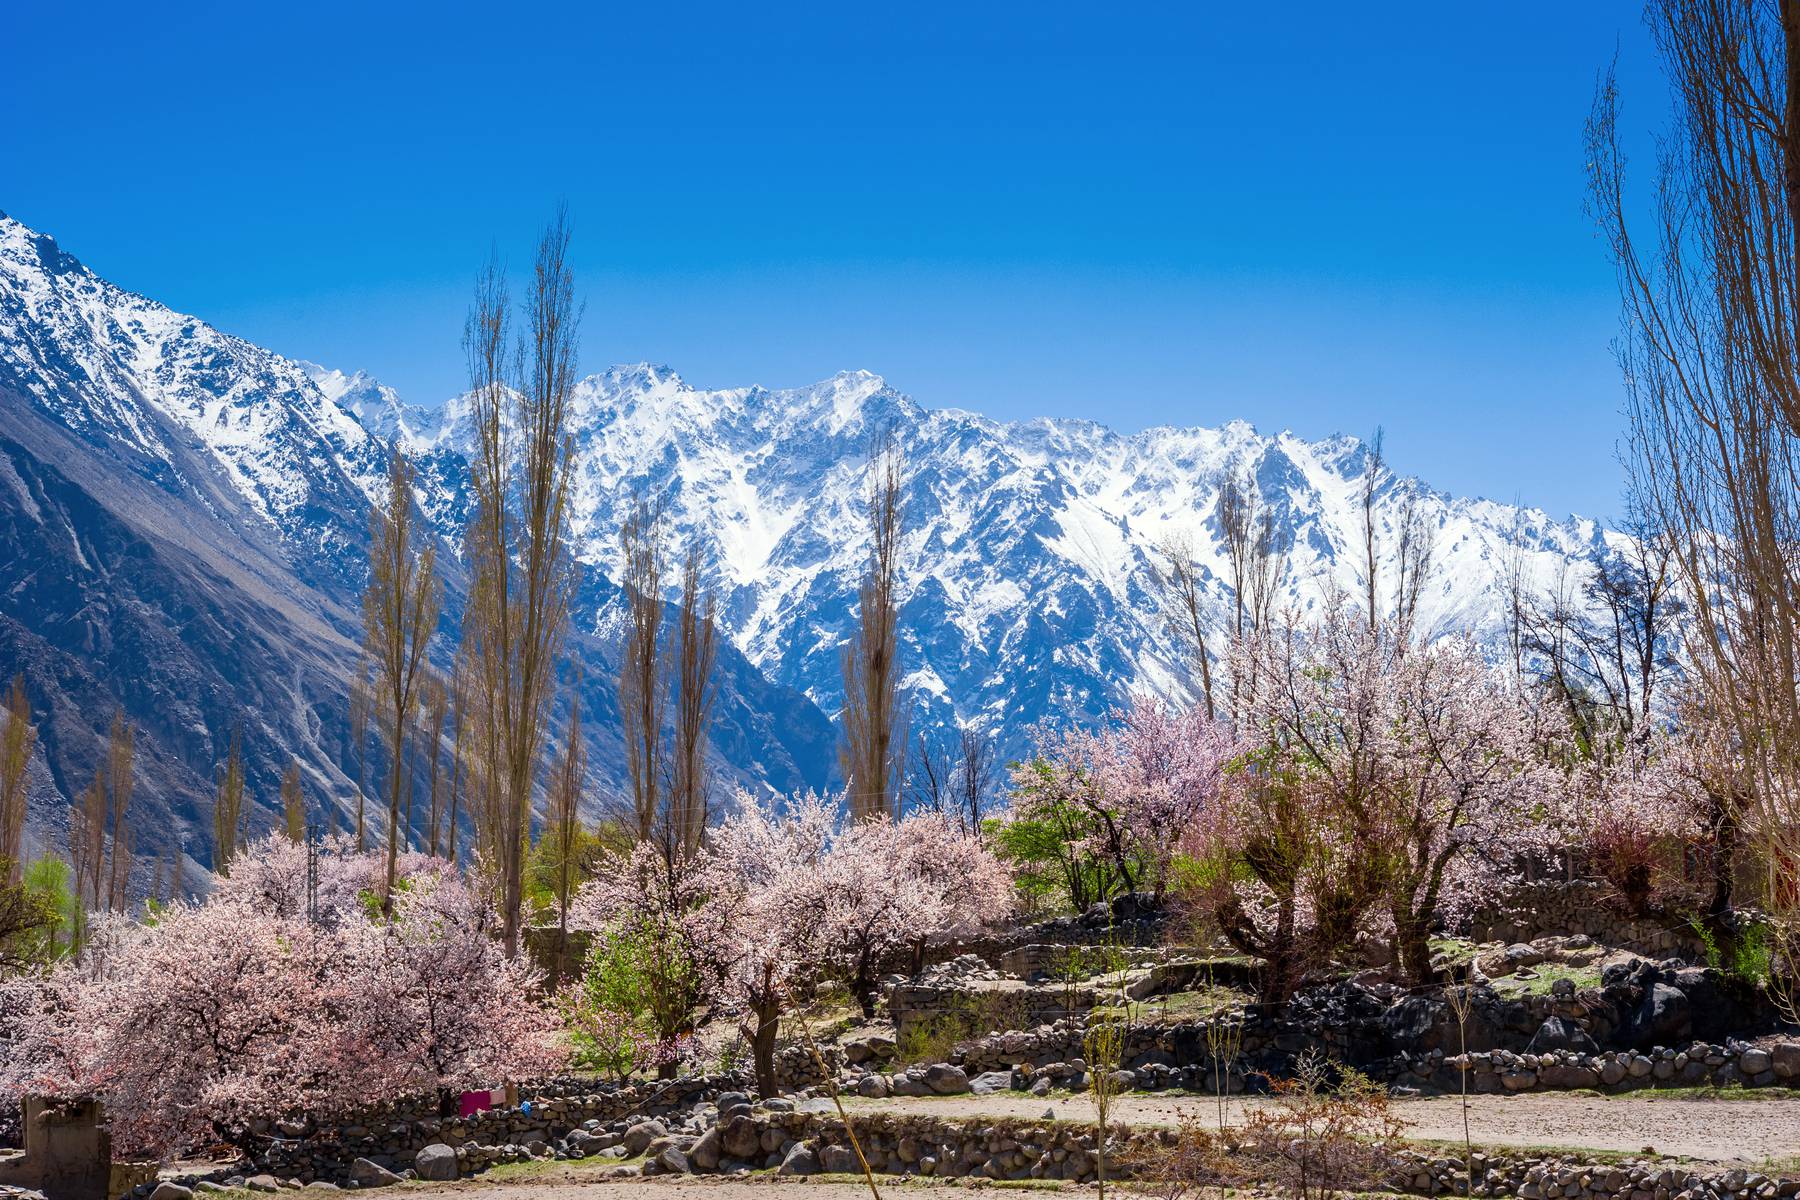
1032	547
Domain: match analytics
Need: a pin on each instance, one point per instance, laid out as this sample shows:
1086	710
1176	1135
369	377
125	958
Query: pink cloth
474	1102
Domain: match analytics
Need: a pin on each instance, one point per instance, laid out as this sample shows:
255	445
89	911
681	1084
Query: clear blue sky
1316	216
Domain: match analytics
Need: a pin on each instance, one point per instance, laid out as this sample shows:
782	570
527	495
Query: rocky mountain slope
183	535
183	527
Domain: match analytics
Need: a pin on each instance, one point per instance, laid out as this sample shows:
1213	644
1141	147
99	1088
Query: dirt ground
691	1187
1750	1129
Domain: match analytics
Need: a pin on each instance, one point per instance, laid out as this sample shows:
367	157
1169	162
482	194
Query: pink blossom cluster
248	1006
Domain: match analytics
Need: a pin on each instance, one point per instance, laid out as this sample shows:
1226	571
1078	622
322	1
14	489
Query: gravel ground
1751	1129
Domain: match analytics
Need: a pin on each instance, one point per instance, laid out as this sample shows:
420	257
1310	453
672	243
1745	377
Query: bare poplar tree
1711	355
1373	466
641	686
359	734
121	743
1181	583
518	540
696	652
437	709
293	803
17	741
400	616
565	828
459	743
87	840
228	808
874	745
1413	555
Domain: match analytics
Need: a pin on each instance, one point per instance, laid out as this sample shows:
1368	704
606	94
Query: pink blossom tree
885	887
1162	769
770	854
659	917
242	1008
1387	780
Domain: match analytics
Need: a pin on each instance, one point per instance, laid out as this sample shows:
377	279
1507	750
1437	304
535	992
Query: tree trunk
762	1047
1717	919
1412	942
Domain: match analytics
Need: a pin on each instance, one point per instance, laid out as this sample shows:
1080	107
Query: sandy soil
1748	1130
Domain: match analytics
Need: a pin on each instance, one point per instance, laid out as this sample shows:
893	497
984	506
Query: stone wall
809	1143
391	1135
1698	1064
1559	908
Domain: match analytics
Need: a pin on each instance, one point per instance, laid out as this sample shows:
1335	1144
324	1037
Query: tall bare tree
229	814
518	540
1256	557
641	685
696	652
17	740
954	779
459	742
437	708
360	701
1180	578
1711	354
400	616
121	751
565	830
87	841
1413	555
874	747
1373	467
293	803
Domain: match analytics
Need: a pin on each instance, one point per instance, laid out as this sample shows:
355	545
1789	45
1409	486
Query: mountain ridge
1031	550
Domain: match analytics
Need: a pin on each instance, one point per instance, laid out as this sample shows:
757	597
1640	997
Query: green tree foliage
608	1010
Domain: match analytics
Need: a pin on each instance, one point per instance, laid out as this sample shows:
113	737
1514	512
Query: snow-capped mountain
1032	549
183	527
183	536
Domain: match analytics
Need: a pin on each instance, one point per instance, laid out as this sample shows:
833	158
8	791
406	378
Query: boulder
267	1183
799	1161
946	1080
741	1138
1662	1017
367	1174
989	1082
436	1162
704	1155
1560	1034
170	1190
673	1159
639	1136
838	1160
872	1087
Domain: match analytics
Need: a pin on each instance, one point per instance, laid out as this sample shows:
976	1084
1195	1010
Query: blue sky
1323	217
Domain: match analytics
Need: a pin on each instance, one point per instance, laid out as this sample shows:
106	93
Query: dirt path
1748	1130
686	1187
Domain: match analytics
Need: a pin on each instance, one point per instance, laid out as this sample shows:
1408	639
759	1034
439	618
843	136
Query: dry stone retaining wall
1698	1064
391	1135
1582	906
